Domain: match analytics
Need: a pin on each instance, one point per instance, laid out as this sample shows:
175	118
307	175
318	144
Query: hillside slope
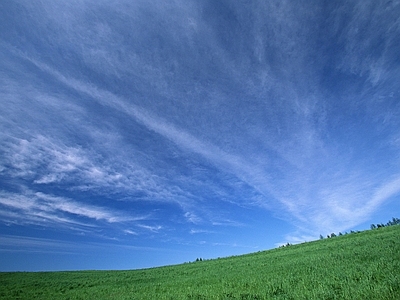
355	266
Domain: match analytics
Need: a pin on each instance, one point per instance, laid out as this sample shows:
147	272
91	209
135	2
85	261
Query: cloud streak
41	209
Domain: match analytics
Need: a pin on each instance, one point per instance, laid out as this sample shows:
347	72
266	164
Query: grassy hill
363	265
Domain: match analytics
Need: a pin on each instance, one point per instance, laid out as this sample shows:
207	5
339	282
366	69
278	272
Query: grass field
363	265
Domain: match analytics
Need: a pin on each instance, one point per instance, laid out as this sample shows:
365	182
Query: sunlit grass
355	266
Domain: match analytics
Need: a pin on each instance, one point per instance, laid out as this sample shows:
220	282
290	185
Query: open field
355	266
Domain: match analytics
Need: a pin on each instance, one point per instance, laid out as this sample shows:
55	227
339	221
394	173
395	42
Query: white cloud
197	231
155	228
384	193
369	38
39	208
67	205
192	218
130	232
44	161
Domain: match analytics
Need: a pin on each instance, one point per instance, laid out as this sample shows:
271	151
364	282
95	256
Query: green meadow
364	265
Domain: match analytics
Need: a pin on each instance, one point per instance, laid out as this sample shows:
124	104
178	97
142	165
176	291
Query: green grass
362	265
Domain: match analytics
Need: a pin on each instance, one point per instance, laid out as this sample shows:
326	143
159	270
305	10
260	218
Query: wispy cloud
15	243
235	245
31	244
154	228
200	231
192	218
384	193
46	161
130	232
38	208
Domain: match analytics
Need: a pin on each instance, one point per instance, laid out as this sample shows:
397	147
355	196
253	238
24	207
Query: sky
137	134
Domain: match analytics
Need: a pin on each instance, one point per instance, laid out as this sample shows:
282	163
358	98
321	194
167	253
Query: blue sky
143	133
